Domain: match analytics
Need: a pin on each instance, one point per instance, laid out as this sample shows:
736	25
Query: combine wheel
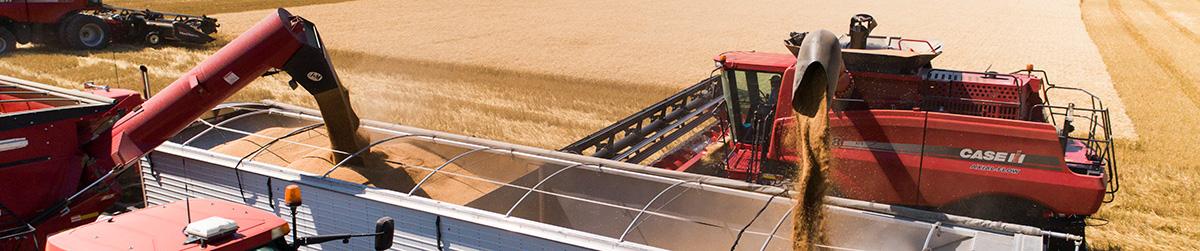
85	32
153	38
8	42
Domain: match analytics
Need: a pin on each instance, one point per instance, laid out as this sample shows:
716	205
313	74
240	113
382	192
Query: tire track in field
1162	14
1161	58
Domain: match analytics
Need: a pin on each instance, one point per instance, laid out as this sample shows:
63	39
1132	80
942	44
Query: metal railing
1098	140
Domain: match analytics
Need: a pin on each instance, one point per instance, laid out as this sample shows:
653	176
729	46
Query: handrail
1104	148
900	44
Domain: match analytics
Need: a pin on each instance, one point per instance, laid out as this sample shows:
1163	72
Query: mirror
385	229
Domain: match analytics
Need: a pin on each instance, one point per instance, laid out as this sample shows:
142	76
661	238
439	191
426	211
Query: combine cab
981	144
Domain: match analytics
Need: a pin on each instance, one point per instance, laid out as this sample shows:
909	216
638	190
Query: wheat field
1150	49
545	73
205	7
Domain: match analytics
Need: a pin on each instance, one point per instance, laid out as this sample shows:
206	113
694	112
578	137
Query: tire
85	32
153	38
8	41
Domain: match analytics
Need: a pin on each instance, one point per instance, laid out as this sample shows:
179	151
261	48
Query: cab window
749	96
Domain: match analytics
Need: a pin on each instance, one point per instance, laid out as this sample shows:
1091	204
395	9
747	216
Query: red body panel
43	177
947	177
877	154
41	12
158	228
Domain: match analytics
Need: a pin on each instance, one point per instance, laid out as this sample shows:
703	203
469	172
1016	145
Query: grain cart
479	194
90	25
60	150
207	224
981	144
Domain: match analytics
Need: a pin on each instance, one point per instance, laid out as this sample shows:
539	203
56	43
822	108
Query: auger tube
280	41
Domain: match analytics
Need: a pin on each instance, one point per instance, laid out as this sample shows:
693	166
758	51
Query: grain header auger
91	24
62	149
982	144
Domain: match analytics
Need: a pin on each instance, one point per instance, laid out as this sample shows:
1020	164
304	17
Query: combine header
901	132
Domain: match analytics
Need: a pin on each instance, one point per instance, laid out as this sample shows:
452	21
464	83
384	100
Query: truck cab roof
161	228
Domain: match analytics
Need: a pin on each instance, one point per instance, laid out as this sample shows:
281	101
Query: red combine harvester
981	144
60	150
90	24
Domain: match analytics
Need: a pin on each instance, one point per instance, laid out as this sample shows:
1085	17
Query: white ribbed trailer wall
332	207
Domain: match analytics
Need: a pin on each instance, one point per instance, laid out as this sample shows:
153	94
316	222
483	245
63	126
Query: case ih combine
90	24
981	144
62	149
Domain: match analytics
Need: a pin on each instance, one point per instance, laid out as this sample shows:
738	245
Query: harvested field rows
671	43
206	7
1149	47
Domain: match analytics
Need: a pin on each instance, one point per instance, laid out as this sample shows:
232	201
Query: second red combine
982	144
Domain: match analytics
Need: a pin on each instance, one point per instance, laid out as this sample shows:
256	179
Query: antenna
116	75
187	193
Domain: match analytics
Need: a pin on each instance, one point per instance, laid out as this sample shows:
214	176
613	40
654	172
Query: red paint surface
159	228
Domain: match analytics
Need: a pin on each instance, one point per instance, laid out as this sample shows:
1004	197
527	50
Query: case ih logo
968	153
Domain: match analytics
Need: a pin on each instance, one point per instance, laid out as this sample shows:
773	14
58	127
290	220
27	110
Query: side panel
969	156
326	211
877	154
14	10
45	156
52	11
